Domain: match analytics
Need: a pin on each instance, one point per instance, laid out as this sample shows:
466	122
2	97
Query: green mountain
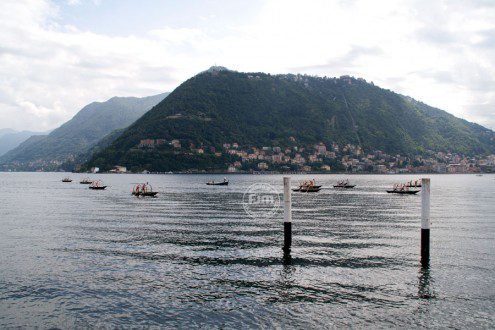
80	134
9	139
255	109
98	147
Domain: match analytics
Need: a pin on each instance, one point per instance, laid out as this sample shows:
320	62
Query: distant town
318	158
326	158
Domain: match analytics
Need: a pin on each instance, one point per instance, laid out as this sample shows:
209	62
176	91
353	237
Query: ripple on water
72	257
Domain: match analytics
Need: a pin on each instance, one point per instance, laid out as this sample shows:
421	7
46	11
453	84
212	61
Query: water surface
72	257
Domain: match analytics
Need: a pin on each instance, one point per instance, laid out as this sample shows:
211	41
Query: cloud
484	113
438	52
486	39
347	62
51	71
436	35
79	2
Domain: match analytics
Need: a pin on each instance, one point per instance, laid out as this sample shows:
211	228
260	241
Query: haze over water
72	257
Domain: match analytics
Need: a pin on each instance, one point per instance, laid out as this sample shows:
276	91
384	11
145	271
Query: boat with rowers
144	190
344	184
308	186
414	184
67	179
225	182
402	189
97	185
86	181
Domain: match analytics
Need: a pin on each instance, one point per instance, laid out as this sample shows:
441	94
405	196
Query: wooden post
287	216
425	221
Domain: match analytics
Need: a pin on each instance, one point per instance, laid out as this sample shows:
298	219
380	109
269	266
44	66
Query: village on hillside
318	158
327	158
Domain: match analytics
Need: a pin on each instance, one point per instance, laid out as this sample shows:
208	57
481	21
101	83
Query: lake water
73	257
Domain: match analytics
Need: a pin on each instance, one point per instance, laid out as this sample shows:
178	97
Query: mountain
28	144
219	106
98	147
9	139
78	135
4	131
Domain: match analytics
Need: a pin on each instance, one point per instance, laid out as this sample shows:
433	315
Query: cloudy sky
57	56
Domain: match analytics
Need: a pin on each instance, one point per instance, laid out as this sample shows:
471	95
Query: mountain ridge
10	139
256	109
76	136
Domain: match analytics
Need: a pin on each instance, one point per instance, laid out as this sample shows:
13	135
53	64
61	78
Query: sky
58	56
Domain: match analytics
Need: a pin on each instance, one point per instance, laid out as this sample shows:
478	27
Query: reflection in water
286	282
425	286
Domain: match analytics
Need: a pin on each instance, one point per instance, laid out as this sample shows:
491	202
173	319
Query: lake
73	257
